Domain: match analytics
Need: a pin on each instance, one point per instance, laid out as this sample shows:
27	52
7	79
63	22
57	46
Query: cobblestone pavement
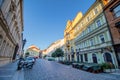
9	72
50	70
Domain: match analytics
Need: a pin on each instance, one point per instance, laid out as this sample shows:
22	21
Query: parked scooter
24	64
20	64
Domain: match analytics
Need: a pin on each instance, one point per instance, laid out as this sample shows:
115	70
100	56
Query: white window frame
96	11
98	23
102	37
88	18
91	42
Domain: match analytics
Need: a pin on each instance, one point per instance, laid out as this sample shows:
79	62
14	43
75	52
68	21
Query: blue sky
45	20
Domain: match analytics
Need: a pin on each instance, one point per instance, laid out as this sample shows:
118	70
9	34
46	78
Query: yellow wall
69	32
79	24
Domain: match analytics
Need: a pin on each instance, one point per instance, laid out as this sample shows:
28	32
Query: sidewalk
117	72
9	72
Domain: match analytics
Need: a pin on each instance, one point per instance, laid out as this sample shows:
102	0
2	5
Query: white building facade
54	46
94	43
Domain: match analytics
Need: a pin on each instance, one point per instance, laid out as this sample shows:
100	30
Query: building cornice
6	28
21	7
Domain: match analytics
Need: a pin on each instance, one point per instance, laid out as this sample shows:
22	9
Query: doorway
77	56
107	57
94	57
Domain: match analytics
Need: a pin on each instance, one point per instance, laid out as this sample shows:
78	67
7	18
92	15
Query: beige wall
11	28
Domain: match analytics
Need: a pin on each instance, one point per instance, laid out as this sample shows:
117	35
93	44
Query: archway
94	57
107	57
15	52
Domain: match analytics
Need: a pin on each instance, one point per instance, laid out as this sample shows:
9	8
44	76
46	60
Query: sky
45	20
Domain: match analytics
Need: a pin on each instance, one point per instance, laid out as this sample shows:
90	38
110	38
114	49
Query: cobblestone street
49	70
9	72
59	39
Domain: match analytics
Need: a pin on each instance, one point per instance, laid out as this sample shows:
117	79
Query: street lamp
24	42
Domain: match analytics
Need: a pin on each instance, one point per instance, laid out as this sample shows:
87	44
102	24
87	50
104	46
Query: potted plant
106	67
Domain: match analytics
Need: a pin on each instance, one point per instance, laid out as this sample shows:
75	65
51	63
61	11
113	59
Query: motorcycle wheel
19	68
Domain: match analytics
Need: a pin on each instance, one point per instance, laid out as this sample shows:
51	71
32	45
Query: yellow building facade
87	37
69	38
94	43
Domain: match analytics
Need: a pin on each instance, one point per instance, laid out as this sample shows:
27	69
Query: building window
91	42
102	39
98	23
94	57
85	56
83	33
116	11
107	57
89	29
84	44
88	18
81	58
95	11
72	50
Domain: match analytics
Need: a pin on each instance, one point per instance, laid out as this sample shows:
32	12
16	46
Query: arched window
107	57
94	57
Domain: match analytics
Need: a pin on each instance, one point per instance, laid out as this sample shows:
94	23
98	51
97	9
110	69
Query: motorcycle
24	64
20	65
